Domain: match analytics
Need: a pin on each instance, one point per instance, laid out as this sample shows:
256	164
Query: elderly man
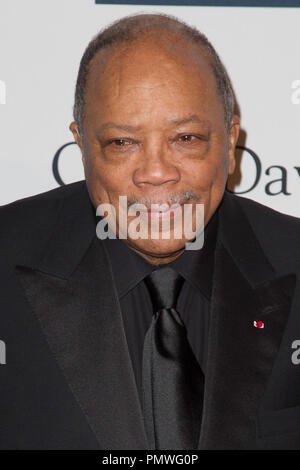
127	342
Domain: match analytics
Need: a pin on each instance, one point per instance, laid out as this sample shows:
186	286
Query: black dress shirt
193	304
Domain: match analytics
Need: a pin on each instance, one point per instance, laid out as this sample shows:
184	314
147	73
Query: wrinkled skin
154	129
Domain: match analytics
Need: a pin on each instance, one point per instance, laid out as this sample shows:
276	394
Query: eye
188	138
120	145
120	142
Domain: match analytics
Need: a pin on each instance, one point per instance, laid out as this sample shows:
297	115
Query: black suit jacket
68	381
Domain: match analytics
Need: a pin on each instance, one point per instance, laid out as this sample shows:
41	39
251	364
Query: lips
171	213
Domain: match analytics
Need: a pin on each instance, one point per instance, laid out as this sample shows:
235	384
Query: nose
156	166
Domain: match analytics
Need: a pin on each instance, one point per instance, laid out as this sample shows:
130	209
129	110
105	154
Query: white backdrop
41	43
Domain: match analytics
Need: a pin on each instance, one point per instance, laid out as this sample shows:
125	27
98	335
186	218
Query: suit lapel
241	356
79	313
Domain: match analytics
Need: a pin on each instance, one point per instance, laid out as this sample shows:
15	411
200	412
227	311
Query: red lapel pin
258	324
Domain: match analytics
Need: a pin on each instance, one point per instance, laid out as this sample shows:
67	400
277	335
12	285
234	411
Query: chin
158	247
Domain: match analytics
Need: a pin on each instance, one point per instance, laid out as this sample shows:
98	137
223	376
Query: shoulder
39	202
30	219
47	197
261	214
278	233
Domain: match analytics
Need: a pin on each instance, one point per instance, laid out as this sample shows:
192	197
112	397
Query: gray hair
131	28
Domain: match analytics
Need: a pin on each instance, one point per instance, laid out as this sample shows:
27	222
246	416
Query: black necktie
172	378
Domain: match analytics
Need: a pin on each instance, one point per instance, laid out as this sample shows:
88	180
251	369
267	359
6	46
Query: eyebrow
172	122
121	127
189	119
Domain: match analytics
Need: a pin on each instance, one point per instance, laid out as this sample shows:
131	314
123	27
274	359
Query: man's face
154	131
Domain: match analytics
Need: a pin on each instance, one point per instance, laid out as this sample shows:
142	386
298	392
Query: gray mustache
176	199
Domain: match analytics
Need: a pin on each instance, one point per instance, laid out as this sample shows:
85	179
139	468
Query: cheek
205	174
105	181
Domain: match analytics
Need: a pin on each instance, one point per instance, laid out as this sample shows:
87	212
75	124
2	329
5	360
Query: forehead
151	55
172	69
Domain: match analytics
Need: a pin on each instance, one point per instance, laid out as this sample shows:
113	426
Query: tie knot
164	285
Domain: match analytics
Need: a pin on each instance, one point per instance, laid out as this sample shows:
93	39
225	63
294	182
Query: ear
75	131
233	137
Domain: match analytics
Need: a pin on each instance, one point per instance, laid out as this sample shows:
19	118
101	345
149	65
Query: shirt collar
196	266
129	268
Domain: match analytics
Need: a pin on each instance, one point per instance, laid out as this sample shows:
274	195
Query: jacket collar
72	234
239	239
